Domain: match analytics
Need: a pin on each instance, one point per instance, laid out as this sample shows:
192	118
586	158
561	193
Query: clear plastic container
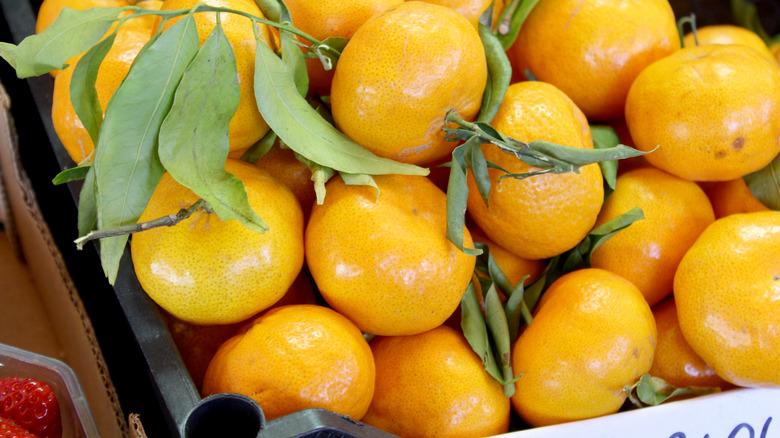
77	418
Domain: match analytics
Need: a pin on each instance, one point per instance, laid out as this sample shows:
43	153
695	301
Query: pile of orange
690	293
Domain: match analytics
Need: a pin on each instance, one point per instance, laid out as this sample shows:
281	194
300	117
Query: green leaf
457	197
479	169
499	70
516	310
83	94
764	184
305	131
271	9
329	50
605	137
499	333
582	157
512	18
745	14
87	210
476	332
72	174
127	168
652	391
292	55
72	33
259	149
359	180
194	135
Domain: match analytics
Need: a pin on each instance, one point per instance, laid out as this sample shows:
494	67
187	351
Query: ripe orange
592	335
728	34
282	164
674	361
384	260
391	98
208	271
50	9
131	37
331	18
247	125
472	9
544	215
733	196
714	110
727	289
647	253
593	50
197	344
297	357
433	384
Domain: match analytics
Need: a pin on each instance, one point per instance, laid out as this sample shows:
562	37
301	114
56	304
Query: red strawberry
9	429
32	404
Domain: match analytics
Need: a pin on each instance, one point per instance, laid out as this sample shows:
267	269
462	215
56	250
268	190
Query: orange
647	253
473	9
383	260
593	334
207	271
727	289
131	37
593	50
391	98
331	18
728	34
297	357
713	110
197	344
674	361
50	9
544	215
433	384
283	165
733	196
247	125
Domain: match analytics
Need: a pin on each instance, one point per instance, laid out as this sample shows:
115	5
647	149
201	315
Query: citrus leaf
457	197
271	9
605	137
351	179
292	55
193	137
516	310
329	50
652	391
512	18
72	174
582	157
764	184
745	14
305	131
87	209
499	333
83	94
479	169
72	33
499	70
476	332
259	149
127	168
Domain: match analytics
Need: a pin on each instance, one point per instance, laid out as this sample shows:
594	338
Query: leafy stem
165	221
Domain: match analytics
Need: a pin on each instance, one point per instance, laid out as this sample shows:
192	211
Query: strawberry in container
28	405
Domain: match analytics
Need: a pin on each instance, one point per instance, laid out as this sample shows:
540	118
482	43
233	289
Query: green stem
167	221
505	20
691	20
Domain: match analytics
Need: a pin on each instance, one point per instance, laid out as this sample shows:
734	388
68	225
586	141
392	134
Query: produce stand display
148	372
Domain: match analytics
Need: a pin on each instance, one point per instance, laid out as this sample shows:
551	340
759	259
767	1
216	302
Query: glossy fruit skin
433	384
647	253
391	98
247	125
331	18
727	289
131	37
593	333
10	429
32	404
709	122
472	9
207	271
544	215
383	260
282	164
595	63
728	34
675	361
297	357
733	196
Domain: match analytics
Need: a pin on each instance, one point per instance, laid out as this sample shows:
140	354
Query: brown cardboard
44	291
